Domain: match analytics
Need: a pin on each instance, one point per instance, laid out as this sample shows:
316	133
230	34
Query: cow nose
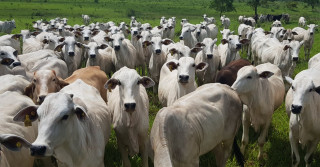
130	106
198	33
135	32
92	56
15	64
311	33
181	38
209	56
183	78
71	53
86	38
281	36
37	150
60	30
158	51
117	47
52	26
296	109
238	46
41	98
295	58
289	40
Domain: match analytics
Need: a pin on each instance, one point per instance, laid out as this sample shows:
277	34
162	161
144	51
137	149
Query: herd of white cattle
68	111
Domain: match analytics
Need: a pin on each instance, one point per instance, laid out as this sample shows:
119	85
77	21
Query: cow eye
54	80
65	117
2	53
292	88
152	43
193	65
249	77
230	39
34	80
187	31
310	90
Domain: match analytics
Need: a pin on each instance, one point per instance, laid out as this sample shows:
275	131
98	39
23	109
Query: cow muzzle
71	54
117	47
209	56
311	33
92	56
130	107
295	109
158	51
181	38
238	46
86	38
184	79
295	58
37	151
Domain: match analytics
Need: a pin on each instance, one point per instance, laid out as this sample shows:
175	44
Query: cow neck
5	70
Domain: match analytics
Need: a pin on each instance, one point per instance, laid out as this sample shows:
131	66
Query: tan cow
93	76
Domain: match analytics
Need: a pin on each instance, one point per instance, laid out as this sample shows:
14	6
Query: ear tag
144	45
18	144
27	121
170	67
109	87
33	113
171	52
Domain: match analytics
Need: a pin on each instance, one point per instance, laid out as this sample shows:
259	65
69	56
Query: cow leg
311	147
222	152
262	139
245	126
155	88
294	140
124	154
305	52
144	150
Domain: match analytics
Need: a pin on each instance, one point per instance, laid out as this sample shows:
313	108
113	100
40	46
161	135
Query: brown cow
228	74
44	82
93	76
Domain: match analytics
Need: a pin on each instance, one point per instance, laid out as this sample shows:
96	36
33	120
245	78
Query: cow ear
172	65
146	43
80	45
61	39
166	41
27	115
146	82
45	41
288	79
224	41
111	84
196	49
16	36
173	51
199	44
80	108
13	142
103	46
286	47
139	36
28	91
294	33
265	74
15	53
95	33
317	89
108	39
201	66
35	33
159	27
59	47
77	34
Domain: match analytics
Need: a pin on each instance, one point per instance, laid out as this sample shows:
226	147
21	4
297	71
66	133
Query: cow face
225	35
25	34
207	47
247	79
303	93
135	31
186	32
64	21
312	28
52	23
156	44
186	69
294	49
58	115
92	49
234	43
116	41
69	46
146	36
114	29
8	56
129	83
43	83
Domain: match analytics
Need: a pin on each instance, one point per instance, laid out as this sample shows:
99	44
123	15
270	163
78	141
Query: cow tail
238	154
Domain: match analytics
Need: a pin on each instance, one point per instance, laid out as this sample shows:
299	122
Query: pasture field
277	148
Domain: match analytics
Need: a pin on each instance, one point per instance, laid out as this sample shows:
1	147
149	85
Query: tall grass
277	147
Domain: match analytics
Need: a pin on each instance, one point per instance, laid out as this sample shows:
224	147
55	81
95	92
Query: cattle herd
66	110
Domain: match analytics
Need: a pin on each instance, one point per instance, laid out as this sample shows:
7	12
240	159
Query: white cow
13	135
177	78
302	106
136	42
202	121
307	36
171	25
261	88
225	22
314	62
146	36
158	58
200	32
276	23
125	52
77	112
188	35
278	33
7	26
163	20
100	55
15	83
229	49
240	19
212	30
129	105
12	40
302	22
210	55
72	53
86	19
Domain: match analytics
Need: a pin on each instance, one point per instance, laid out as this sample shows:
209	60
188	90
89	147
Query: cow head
186	69
8	56
312	28
69	46
303	92
225	35
294	49
92	49
129	83
207	47
43	83
186	32
156	44
116	40
58	115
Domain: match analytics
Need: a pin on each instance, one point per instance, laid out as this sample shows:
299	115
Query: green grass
277	148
